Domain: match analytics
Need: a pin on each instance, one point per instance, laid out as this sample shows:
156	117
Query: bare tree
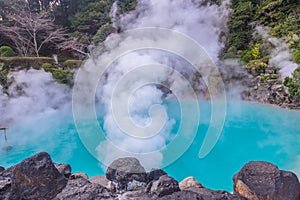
74	45
31	31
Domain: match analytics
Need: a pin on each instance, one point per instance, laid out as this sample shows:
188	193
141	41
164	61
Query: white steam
35	107
202	23
281	56
33	93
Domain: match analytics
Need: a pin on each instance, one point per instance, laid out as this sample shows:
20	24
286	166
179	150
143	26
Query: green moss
6	51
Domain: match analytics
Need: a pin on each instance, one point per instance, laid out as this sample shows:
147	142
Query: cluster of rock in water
39	178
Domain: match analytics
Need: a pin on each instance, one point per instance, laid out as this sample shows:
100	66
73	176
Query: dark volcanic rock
154	174
165	185
263	180
127	173
2	169
36	178
183	195
64	169
80	188
208	194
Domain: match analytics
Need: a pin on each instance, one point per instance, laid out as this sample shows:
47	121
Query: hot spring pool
251	132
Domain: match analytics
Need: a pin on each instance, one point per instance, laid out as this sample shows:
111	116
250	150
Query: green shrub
6	51
257	64
293	83
60	75
252	54
63	76
25	62
127	5
72	64
297	56
47	67
103	32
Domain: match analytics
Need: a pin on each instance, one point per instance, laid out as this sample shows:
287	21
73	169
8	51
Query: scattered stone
165	185
78	175
80	188
36	178
263	180
64	169
125	172
154	174
189	182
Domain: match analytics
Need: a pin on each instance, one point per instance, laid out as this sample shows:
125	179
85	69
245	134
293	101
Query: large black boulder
36	178
154	174
165	185
126	172
263	180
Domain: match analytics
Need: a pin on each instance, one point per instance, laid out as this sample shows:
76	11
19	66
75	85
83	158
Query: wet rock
189	182
127	173
165	185
2	169
64	169
207	194
263	180
154	174
36	178
78	175
186	195
80	188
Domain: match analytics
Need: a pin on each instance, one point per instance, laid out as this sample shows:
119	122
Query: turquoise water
251	132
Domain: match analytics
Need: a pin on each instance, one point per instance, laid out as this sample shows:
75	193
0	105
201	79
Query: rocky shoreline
267	88
39	178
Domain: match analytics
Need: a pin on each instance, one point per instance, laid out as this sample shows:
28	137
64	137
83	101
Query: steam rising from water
203	24
33	94
281	56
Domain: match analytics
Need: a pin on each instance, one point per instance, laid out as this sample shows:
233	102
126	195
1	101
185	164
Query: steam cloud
281	56
203	23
